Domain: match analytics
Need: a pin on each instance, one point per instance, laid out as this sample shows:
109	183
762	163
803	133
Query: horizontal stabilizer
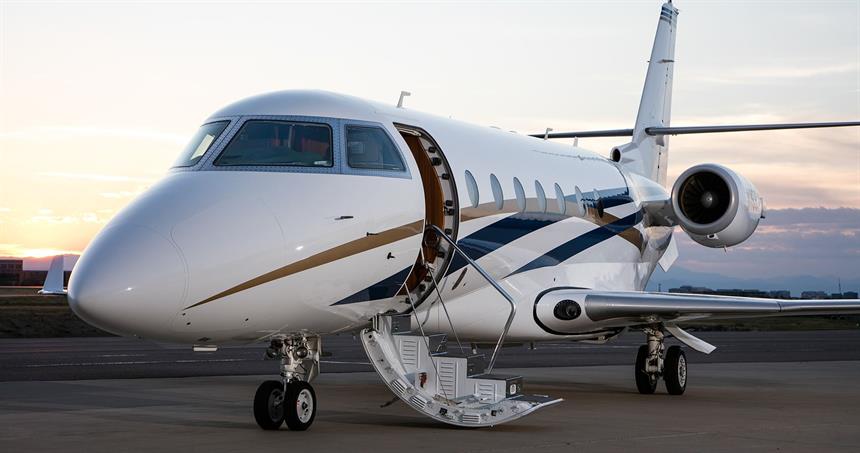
684	130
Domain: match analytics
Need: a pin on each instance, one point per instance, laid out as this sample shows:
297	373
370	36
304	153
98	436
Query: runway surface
116	358
812	406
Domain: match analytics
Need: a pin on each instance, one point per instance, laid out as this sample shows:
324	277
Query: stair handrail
442	302
492	283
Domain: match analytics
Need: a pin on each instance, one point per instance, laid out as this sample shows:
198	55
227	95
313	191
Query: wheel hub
276	405
304	406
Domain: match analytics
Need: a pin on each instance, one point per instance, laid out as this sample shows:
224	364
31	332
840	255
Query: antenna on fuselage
403	95
546	134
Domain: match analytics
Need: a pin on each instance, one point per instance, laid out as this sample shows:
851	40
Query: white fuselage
216	255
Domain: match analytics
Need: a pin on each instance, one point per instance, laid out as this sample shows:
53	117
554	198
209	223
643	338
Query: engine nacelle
716	206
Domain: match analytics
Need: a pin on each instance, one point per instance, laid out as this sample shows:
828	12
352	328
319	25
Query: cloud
95	177
64	132
808	241
763	74
21	251
47	216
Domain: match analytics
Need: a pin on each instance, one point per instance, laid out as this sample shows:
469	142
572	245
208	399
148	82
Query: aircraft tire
269	405
675	371
300	405
645	383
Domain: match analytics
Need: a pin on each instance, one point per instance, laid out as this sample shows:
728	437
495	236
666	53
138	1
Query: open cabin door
441	209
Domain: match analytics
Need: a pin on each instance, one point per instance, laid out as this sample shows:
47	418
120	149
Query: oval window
559	198
580	202
498	196
541	196
598	203
521	195
472	188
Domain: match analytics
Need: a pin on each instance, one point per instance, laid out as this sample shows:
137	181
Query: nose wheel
652	364
300	406
297	406
269	405
291	400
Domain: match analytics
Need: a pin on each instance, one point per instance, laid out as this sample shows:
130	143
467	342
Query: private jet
298	214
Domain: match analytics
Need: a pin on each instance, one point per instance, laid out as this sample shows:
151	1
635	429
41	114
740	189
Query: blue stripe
610	197
493	236
382	290
570	248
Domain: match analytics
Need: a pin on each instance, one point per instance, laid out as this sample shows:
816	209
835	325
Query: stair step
513	384
475	363
447	386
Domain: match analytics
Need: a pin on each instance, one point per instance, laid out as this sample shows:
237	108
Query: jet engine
715	206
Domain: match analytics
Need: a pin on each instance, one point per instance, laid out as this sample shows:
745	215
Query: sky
96	99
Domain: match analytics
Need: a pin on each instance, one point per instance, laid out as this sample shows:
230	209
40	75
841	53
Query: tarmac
812	406
754	401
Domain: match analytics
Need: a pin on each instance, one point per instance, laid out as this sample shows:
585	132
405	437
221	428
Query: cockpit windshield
200	143
266	142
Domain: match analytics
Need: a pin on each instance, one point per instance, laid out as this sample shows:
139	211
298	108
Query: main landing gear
292	399
654	361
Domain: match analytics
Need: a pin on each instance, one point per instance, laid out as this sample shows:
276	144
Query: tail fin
54	280
647	154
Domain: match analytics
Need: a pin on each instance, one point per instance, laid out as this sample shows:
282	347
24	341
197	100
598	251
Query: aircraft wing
695	129
617	309
632	308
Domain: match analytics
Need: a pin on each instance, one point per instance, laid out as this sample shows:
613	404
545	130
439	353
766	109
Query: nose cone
130	281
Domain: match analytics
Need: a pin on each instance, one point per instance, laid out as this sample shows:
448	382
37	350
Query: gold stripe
357	246
631	235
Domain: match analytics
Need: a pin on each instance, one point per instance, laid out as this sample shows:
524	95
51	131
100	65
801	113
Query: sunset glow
88	123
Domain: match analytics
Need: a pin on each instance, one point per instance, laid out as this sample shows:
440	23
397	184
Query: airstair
457	388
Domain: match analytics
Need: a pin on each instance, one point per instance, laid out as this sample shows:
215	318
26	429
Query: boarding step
447	386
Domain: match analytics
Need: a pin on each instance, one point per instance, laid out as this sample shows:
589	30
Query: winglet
54	280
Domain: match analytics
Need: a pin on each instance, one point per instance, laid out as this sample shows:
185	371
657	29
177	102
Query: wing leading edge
641	308
684	130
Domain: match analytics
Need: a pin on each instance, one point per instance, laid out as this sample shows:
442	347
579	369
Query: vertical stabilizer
648	155
54	280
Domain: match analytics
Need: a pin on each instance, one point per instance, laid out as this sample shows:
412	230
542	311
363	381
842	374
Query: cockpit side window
285	143
371	148
200	143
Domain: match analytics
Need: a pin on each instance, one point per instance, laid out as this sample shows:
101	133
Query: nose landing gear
652	364
292	399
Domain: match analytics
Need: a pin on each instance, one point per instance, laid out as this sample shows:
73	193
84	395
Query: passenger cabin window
372	149
264	142
498	196
559	198
520	194
472	188
541	196
200	143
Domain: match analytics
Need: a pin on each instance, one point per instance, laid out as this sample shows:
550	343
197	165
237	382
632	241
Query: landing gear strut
654	361
292	399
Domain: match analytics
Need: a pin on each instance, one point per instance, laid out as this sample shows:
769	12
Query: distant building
10	272
775	294
37	278
742	292
687	289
